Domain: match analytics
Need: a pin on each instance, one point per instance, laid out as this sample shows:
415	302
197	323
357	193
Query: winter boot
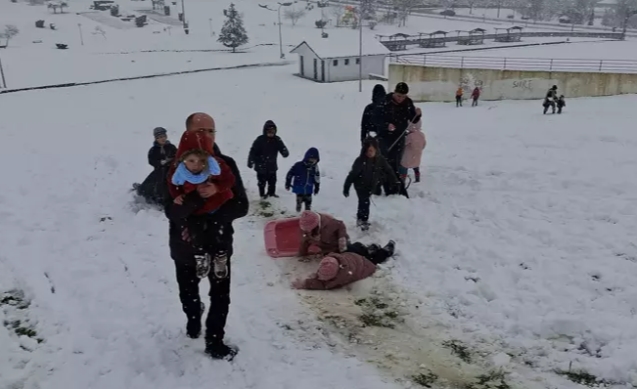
220	265
363	225
390	247
193	327
218	350
417	174
203	265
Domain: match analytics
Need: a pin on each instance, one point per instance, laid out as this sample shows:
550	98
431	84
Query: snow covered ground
515	252
123	50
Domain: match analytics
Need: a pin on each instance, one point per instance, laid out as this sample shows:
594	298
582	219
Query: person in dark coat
550	99
304	179
368	171
561	103
218	231
154	188
400	111
263	158
374	119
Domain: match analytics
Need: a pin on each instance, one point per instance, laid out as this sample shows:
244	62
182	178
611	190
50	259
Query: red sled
283	238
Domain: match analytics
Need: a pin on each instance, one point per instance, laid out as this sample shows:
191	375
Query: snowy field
112	48
516	252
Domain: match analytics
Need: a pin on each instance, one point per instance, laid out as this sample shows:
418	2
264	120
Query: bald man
219	239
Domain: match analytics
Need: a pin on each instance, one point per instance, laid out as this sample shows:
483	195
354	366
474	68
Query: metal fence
512	63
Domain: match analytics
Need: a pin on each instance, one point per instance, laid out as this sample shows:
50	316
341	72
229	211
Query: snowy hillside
516	250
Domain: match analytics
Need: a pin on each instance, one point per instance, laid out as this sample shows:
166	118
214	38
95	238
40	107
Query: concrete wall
440	84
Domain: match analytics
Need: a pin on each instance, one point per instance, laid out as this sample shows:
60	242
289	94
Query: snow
519	242
344	45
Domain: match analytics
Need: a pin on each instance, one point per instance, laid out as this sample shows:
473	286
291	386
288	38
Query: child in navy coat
304	179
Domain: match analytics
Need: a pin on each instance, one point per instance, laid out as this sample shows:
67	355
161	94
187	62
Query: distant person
475	95
340	269
263	158
459	93
400	113
374	119
369	170
550	99
561	103
415	144
304	179
154	188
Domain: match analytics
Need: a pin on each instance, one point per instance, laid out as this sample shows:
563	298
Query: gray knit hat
159	131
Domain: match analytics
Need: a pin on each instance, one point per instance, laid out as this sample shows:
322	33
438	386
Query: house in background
336	58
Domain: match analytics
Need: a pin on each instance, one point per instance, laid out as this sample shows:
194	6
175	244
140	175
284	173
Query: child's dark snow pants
269	178
303	199
362	215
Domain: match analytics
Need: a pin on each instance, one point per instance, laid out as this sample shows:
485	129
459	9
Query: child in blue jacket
306	179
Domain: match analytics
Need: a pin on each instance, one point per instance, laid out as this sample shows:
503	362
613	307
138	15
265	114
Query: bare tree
294	15
404	8
9	32
338	11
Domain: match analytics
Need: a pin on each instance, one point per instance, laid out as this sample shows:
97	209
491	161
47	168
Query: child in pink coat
415	143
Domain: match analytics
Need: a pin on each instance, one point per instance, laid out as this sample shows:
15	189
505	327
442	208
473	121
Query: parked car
448	12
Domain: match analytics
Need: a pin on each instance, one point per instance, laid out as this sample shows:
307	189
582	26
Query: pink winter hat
309	220
328	269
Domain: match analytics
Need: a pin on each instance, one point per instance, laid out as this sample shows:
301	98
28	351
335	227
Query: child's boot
390	247
417	174
220	265
362	224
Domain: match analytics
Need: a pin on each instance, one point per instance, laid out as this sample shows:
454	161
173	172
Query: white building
336	58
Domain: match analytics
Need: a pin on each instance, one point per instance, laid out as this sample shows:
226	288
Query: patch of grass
16	299
265	209
372	320
458	349
492	380
377	313
582	377
426	380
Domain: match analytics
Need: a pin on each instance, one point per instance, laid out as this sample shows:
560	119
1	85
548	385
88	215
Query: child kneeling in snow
304	179
415	143
340	269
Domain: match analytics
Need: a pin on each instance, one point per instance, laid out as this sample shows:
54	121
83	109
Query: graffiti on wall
524	85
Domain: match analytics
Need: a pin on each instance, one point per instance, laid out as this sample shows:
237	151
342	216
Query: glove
316	189
250	164
287	187
345	192
342	244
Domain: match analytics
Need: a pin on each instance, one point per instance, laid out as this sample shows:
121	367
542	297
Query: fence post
424	60
462	63
4	82
601	62
504	67
551	66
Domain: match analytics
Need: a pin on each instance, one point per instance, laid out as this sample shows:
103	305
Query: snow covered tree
293	15
9	32
233	34
404	8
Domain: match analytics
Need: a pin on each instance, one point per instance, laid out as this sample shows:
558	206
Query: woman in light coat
415	143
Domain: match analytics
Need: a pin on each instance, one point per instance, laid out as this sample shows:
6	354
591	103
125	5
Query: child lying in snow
197	165
339	269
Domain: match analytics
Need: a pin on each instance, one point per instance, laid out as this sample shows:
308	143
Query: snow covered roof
342	45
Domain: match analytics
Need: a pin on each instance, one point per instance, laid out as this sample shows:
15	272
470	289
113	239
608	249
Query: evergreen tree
233	34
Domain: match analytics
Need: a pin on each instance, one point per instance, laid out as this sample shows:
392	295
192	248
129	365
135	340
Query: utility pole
278	11
4	82
360	48
79	26
183	17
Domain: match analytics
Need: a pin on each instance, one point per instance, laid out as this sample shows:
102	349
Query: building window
347	62
358	61
335	62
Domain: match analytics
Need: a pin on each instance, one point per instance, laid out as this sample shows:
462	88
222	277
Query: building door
302	67
315	69
322	70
